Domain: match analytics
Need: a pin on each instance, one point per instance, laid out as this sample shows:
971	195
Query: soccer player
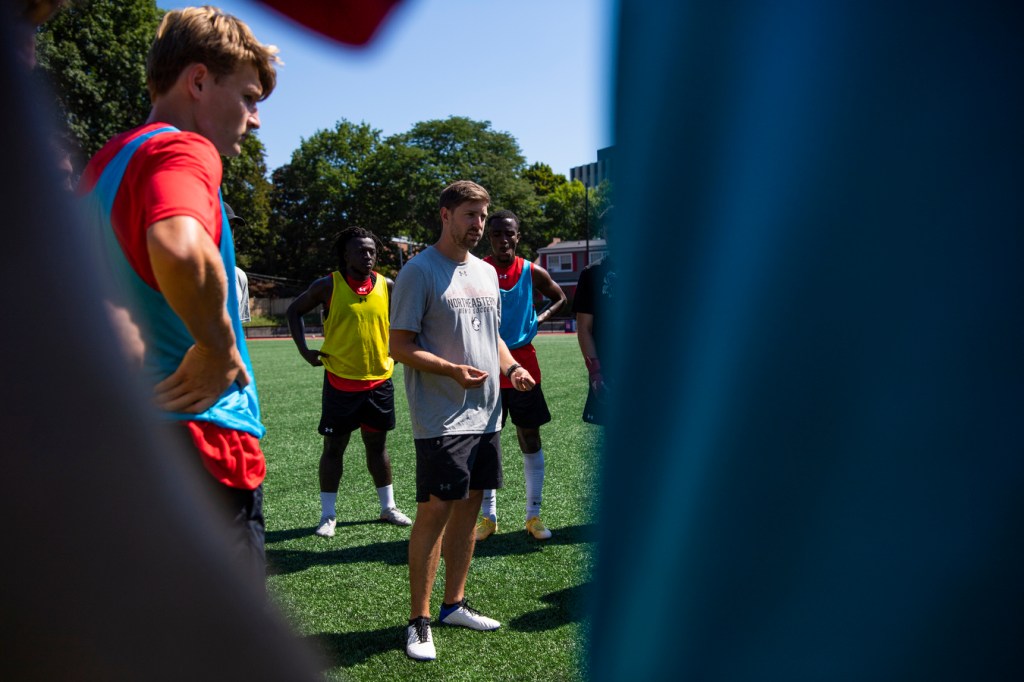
241	279
445	331
593	295
358	392
518	279
169	247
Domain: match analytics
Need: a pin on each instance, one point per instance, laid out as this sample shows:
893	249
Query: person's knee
334	446
375	442
433	513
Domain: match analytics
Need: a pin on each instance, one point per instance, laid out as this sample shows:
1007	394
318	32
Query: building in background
566	259
591	174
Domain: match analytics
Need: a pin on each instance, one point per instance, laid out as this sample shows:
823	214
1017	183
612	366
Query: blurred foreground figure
116	567
838	408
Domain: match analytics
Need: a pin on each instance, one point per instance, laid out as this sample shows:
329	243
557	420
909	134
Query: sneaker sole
460	625
419	658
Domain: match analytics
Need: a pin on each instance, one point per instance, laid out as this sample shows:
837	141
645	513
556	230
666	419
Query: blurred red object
353	22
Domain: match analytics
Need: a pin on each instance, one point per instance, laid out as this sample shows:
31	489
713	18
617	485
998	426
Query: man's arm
405	350
585	336
318	293
520	377
189	271
543	283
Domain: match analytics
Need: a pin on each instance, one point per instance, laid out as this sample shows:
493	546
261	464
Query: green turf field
349	595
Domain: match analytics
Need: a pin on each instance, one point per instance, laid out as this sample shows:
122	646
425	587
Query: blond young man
168	244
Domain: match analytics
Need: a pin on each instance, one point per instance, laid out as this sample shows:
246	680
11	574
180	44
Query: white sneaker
396	517
462	614
326	527
419	643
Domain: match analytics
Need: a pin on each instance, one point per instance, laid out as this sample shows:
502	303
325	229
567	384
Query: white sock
533	472
386	495
489	508
327	501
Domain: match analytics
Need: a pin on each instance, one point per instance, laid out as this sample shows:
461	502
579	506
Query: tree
316	195
245	186
94	53
543	179
404	179
571	213
542	229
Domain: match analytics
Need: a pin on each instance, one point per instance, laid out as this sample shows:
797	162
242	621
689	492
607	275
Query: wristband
593	365
514	367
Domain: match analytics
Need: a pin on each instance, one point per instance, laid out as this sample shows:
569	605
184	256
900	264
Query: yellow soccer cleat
535	527
485	528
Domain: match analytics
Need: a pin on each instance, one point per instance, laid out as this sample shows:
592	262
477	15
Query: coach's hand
468	377
313	357
522	380
200	379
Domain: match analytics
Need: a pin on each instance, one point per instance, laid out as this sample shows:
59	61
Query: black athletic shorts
242	510
346	411
449	467
527	408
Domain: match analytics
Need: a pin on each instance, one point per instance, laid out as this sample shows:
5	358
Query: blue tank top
518	315
167	338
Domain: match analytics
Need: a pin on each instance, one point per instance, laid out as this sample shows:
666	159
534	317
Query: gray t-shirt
455	310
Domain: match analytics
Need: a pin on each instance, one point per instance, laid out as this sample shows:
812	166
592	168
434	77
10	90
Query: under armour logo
445	486
362	300
328	430
463	273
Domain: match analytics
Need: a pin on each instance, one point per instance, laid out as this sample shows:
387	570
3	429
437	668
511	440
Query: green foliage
570	213
245	186
543	179
415	167
316	195
94	53
349	596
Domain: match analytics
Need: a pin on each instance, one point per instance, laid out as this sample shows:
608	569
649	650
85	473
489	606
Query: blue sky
537	69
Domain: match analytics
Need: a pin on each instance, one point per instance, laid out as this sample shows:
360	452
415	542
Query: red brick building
564	260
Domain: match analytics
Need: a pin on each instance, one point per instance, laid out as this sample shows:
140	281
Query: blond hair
208	36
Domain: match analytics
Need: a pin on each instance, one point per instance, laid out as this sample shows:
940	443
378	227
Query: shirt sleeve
172	174
183	179
583	300
409	298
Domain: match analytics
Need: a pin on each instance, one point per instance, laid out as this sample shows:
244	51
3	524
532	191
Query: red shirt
176	174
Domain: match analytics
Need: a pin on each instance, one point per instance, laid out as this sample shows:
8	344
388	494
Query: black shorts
597	408
242	510
527	408
449	467
346	411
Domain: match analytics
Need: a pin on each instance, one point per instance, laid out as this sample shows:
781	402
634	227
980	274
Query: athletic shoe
461	614
393	515
419	643
326	527
536	528
485	528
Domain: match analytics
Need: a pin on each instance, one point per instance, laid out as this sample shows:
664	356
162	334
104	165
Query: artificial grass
349	595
